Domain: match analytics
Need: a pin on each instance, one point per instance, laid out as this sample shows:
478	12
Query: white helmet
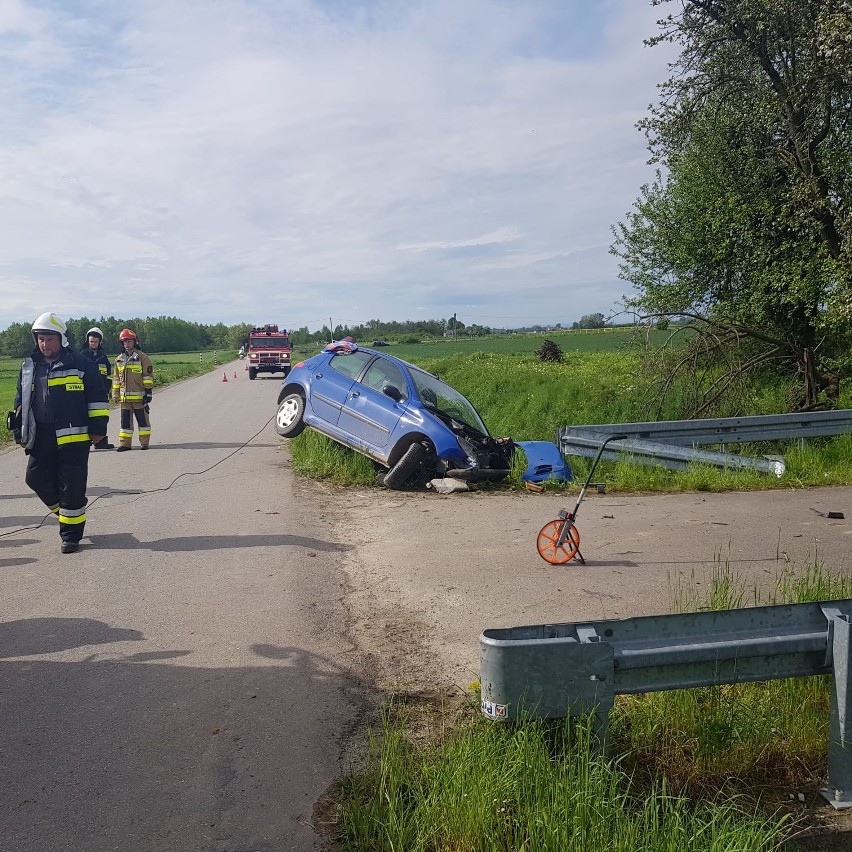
49	321
95	330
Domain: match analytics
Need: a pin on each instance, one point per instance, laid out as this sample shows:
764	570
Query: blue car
410	423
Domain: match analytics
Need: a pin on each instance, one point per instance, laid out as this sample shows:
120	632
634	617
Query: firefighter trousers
59	480
137	411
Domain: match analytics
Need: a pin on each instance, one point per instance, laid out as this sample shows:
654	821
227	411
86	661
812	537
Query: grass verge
704	769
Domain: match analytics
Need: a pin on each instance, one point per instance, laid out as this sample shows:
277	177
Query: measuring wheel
548	545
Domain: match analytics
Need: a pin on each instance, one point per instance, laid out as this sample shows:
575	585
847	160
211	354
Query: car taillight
300	364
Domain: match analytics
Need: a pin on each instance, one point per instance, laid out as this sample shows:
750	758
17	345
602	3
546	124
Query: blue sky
296	161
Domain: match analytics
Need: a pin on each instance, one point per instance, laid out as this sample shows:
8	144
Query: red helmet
127	334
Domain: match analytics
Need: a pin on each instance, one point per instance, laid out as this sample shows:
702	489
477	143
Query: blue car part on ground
544	461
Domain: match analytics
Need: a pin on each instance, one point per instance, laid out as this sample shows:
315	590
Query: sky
302	162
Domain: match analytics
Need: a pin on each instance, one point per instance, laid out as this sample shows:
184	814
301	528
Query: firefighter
95	351
61	407
132	387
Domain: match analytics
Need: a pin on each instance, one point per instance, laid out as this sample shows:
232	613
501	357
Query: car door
330	386
368	412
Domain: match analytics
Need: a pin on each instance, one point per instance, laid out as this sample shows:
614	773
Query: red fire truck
268	351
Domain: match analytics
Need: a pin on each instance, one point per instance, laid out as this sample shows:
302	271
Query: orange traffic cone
235	373
224	378
246	367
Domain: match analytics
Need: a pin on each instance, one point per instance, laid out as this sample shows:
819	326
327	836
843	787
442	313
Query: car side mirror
393	392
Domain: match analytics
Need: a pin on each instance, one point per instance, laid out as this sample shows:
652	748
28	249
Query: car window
350	363
438	395
383	373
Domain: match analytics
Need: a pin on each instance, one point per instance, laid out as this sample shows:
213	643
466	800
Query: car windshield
436	394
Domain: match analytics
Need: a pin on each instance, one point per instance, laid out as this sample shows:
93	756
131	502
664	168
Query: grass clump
736	736
319	457
537	786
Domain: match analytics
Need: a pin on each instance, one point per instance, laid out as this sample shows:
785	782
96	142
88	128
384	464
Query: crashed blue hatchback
411	424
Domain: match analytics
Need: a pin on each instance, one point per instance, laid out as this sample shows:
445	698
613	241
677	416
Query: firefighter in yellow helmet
132	387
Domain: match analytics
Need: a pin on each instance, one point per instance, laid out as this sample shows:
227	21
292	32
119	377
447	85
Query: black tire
289	419
252	373
408	465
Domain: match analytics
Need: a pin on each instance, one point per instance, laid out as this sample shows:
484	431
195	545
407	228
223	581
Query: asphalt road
183	682
192	679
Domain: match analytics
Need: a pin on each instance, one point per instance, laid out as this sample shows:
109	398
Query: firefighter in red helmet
132	388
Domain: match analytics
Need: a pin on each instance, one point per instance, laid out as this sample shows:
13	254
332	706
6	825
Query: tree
592	321
745	231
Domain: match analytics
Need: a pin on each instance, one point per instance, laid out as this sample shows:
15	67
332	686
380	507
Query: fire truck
268	351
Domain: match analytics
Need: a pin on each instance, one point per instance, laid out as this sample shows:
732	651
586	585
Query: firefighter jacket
104	365
133	378
78	399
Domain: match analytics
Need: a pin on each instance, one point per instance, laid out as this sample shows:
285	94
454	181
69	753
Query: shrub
549	351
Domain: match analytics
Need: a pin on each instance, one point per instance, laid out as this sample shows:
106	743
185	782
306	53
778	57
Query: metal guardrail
583	441
729	430
556	670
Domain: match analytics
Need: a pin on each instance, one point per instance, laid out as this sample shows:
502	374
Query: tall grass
755	734
533	786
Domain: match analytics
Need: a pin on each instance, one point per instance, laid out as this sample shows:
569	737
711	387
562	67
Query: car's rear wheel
289	420
408	465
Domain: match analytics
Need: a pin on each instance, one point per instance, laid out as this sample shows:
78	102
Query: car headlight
469	450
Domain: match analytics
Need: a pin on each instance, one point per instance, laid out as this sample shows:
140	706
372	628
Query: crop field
592	340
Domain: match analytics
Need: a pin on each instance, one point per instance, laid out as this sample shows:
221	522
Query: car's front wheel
409	463
289	420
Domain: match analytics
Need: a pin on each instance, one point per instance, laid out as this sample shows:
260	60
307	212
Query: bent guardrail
730	430
556	670
583	441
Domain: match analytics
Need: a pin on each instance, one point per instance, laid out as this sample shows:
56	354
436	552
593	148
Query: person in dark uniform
61	408
94	349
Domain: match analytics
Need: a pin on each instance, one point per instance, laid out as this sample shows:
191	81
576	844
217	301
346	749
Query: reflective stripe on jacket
78	399
133	376
104	364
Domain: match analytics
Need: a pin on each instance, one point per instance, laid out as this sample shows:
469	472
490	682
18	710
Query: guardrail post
839	789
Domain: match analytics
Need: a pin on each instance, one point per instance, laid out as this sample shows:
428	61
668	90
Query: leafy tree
745	231
17	340
592	321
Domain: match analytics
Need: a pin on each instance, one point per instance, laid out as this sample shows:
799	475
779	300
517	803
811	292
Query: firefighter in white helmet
61	408
94	350
132	387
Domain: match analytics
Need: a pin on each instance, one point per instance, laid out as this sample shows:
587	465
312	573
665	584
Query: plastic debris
447	485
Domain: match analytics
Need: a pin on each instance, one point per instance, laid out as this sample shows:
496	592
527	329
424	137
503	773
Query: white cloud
295	161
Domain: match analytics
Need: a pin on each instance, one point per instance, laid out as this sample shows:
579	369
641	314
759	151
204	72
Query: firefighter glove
148	397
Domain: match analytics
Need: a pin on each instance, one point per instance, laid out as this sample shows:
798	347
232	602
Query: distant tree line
170	334
156	334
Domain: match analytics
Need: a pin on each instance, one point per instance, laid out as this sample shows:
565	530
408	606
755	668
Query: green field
167	369
593	340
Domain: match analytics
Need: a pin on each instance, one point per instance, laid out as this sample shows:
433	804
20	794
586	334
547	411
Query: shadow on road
122	752
47	635
128	541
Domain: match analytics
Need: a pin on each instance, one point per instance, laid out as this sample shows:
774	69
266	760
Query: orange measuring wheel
549	548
